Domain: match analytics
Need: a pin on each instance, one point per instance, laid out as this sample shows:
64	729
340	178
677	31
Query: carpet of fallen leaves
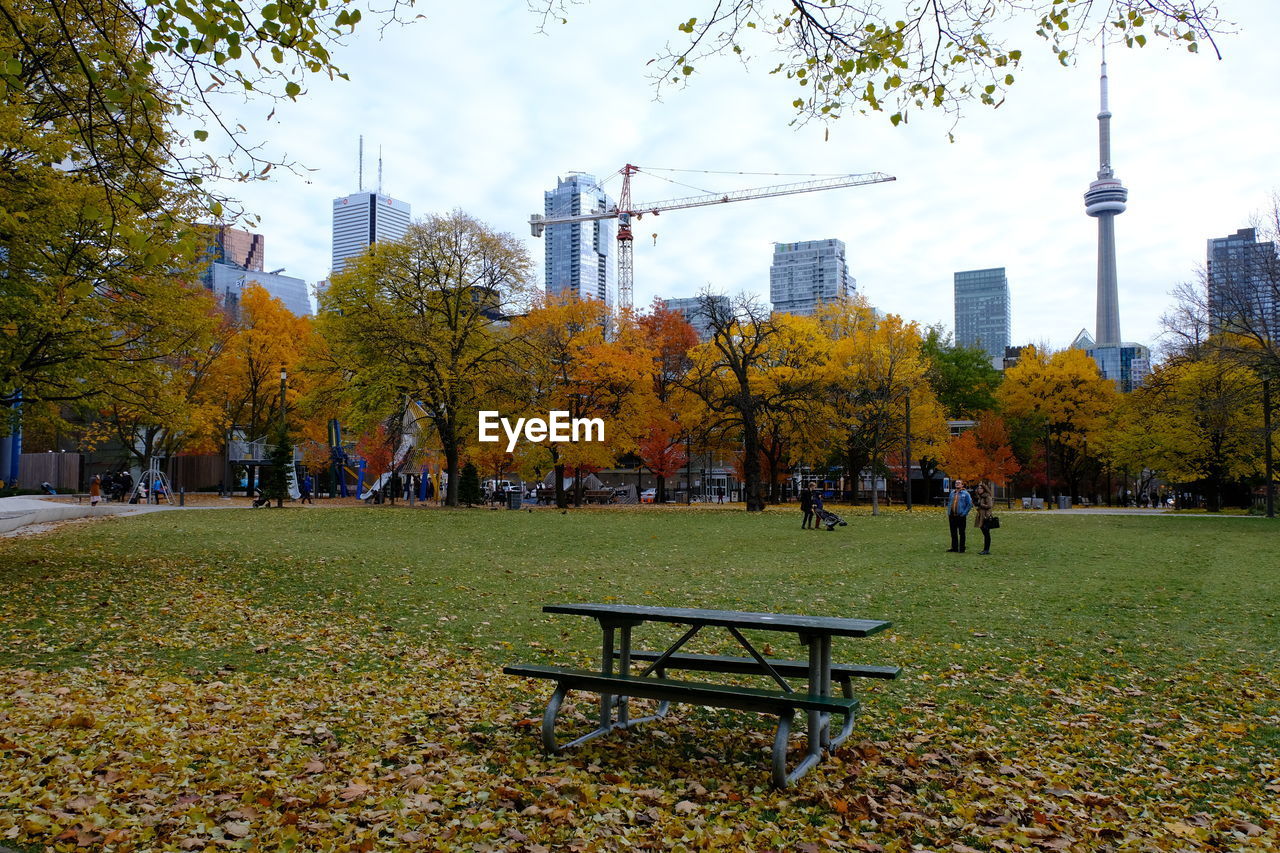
353	735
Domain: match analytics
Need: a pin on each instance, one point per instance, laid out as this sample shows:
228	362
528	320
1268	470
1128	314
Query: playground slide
292	477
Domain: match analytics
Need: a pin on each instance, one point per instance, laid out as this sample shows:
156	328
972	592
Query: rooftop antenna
360	168
379	170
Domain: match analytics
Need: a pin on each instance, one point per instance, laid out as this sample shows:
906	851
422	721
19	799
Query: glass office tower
362	219
983	313
581	257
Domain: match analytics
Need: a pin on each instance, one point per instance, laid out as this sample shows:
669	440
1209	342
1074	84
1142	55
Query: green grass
1100	653
1065	585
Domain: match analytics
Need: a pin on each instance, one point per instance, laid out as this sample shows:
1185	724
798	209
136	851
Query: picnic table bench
615	688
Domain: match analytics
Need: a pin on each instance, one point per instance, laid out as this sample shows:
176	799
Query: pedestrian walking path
20	512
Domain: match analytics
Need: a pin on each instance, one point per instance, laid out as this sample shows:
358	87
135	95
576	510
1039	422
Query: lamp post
907	473
284	475
1266	426
284	376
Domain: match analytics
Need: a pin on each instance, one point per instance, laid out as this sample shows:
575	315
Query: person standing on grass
806	506
983	502
307	484
817	509
957	515
95	490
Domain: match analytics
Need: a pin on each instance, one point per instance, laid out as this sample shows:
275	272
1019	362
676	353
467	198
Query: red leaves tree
983	453
663	453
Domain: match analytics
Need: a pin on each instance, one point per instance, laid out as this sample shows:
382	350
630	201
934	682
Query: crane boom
625	210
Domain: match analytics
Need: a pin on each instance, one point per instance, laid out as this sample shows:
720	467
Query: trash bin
513	500
1064	502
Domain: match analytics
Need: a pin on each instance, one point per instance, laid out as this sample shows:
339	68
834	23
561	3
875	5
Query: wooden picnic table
615	686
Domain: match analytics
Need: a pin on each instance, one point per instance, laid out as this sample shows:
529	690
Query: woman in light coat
983	502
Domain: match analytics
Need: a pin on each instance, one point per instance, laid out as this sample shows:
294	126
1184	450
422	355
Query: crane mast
625	211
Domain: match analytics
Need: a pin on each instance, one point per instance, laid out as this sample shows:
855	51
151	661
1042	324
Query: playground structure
410	432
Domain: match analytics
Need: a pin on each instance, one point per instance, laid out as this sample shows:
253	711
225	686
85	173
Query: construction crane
625	211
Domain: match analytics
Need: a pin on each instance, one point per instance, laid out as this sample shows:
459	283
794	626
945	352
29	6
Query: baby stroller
830	519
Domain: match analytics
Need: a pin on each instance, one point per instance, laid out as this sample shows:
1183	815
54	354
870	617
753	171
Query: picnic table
615	682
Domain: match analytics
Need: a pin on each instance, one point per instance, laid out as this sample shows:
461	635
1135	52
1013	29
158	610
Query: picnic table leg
815	727
624	668
606	667
846	688
824	643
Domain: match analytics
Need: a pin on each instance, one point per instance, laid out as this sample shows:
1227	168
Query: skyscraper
236	260
806	275
1244	284
983	314
581	257
1126	364
365	218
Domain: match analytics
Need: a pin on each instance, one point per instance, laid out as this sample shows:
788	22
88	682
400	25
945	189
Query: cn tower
1105	199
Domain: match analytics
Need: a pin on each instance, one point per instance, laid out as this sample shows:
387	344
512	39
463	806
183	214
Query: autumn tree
855	56
663	441
1063	400
982	453
875	375
166	406
1203	416
94	290
150	83
753	365
268	338
573	356
417	319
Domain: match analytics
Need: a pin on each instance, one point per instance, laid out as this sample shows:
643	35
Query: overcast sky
477	111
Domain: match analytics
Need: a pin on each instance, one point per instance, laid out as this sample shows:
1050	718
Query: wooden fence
60	470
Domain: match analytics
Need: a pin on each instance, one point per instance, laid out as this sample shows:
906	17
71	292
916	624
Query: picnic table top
834	626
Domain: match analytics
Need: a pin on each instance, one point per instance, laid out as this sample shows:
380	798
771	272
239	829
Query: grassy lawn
329	679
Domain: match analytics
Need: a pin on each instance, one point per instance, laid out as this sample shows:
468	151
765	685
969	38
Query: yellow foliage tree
1064	397
877	377
573	356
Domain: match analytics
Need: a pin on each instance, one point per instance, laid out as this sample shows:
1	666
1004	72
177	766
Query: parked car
648	496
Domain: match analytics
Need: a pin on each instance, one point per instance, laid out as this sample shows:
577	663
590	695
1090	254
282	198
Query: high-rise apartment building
1244	284
693	309
806	275
362	219
581	257
983	313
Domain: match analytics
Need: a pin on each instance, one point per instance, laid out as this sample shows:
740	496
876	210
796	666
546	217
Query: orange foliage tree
982	453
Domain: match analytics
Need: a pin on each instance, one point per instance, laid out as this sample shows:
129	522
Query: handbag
993	522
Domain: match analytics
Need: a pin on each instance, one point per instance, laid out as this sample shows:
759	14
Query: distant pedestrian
95	490
983	502
720	493
307	484
817	507
957	515
806	506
